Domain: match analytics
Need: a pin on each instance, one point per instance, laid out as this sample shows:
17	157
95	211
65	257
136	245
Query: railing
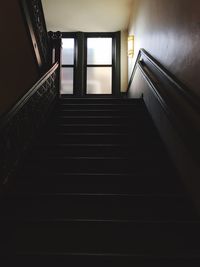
22	123
180	105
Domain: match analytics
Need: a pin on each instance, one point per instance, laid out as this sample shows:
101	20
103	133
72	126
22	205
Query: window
99	65
90	63
67	75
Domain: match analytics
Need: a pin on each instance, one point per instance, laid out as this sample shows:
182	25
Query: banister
6	117
20	126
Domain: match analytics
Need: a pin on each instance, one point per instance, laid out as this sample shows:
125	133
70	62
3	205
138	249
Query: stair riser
142	260
102	112
86	139
95	165
92	150
104	101
123	121
29	184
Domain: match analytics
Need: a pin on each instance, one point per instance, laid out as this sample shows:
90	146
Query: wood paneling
176	113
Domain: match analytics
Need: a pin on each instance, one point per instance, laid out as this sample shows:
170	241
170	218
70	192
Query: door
90	64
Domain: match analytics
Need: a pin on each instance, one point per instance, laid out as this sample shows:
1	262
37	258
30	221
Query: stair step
138	183
96	164
62	207
181	258
100	106
100	138
94	150
99	112
122	120
102	128
86	101
106	236
88	138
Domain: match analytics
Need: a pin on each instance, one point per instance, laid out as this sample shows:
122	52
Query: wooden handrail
183	90
180	105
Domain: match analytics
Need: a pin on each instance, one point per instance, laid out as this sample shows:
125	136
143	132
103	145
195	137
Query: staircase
98	189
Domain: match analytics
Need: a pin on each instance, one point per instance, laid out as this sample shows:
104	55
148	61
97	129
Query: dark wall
18	71
170	31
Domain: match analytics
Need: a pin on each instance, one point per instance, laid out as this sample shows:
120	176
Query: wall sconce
131	46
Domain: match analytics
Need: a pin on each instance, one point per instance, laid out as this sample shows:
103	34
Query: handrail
153	87
23	100
193	99
181	107
183	90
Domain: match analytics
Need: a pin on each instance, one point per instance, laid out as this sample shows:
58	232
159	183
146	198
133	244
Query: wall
170	31
19	71
124	61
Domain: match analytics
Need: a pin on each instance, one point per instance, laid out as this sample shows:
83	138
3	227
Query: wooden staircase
98	189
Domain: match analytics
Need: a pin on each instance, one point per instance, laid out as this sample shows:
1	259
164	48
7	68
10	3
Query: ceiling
87	15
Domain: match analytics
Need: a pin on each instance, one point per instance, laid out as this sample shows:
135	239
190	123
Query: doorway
90	64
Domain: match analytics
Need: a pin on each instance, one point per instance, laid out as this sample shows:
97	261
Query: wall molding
21	124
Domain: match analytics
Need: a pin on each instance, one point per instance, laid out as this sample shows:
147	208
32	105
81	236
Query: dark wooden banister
20	126
6	117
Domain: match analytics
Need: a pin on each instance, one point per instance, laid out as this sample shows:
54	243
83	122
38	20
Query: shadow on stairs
98	189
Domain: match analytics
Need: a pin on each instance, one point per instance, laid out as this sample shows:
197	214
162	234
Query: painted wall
170	31
18	67
124	61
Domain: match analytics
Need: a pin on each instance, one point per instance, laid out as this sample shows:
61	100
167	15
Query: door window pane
99	51
67	81
99	80
68	51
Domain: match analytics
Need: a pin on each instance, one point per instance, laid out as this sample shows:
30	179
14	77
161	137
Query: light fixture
131	46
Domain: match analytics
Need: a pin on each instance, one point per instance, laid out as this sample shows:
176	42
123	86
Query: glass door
90	64
68	66
99	69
